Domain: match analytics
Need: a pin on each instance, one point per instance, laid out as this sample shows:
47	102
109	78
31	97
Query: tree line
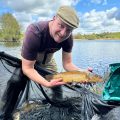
10	30
105	35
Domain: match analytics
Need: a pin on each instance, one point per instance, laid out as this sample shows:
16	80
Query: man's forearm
71	67
36	77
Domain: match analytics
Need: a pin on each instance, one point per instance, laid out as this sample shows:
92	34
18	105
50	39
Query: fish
76	76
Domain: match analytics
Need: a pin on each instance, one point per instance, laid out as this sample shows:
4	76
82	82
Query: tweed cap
68	15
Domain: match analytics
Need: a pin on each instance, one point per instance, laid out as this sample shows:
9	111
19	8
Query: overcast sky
95	16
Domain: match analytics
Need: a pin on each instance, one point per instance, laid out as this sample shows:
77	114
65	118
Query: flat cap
68	15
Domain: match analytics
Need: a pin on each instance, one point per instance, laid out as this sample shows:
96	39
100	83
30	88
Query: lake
97	54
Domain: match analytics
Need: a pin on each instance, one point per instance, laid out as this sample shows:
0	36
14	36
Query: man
44	38
41	40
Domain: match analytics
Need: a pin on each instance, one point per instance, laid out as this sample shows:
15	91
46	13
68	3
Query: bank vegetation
10	29
104	36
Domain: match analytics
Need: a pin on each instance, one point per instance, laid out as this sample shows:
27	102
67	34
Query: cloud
103	2
117	15
23	18
100	21
113	13
27	11
92	21
38	5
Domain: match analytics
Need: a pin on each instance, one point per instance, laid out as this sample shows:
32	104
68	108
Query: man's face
59	30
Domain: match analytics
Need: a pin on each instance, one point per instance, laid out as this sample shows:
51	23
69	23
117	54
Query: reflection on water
12	44
11	48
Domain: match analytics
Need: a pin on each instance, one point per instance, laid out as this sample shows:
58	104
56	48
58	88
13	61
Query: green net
112	88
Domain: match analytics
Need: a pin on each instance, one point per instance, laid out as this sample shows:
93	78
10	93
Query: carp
76	76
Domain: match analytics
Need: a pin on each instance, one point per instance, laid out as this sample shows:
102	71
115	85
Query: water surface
94	53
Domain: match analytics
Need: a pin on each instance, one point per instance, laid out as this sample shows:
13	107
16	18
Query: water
97	54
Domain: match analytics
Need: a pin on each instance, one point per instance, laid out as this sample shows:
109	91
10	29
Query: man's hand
55	82
90	69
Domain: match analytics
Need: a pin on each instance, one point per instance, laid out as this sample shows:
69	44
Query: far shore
1	40
100	39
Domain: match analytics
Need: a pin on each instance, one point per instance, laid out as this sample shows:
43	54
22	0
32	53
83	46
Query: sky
96	16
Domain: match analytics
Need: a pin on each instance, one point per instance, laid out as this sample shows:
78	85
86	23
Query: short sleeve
67	44
30	44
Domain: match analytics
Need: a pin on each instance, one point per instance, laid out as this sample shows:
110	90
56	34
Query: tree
10	27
